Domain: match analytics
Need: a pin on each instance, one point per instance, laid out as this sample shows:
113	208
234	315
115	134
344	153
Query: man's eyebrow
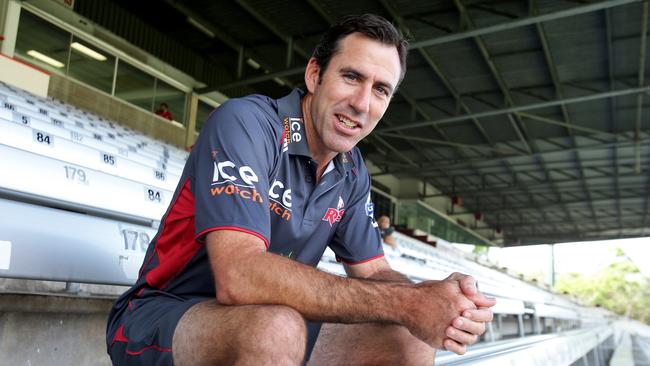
352	70
360	75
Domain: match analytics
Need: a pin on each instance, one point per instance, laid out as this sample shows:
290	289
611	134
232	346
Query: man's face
384	222
352	94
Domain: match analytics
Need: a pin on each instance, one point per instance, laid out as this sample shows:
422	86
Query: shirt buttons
308	179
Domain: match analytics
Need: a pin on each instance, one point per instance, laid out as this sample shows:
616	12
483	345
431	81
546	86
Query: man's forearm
390	275
267	278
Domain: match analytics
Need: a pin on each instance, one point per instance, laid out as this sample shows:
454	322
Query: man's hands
465	329
449	314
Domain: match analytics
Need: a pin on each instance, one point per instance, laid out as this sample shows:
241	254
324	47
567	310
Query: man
230	277
163	111
386	231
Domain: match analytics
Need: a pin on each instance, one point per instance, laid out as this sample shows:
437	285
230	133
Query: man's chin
342	148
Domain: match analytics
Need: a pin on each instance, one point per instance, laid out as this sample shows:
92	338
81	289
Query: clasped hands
460	315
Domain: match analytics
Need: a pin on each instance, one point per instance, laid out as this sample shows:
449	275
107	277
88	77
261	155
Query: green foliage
619	287
480	249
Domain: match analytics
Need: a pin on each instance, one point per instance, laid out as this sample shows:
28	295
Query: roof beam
255	79
540	190
559	203
612	110
578	10
452	144
512	189
464	164
639	97
604	218
521	108
548	56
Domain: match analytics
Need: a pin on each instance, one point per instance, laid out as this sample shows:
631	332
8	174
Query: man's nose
360	99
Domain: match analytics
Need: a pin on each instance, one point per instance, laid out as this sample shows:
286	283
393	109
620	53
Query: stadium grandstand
518	123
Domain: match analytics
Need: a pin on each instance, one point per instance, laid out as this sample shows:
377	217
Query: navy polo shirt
251	171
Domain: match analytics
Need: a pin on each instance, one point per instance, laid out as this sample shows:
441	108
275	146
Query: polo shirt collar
290	112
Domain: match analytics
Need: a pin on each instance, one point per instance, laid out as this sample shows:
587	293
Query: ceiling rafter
520	108
612	109
446	165
558	203
548	56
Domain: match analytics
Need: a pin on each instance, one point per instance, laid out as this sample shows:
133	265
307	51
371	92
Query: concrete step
53	329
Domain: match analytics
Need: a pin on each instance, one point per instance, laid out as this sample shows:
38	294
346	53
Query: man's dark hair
369	25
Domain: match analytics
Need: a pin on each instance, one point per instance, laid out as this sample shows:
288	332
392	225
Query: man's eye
351	77
381	90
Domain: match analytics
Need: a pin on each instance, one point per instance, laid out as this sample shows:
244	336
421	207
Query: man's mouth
346	121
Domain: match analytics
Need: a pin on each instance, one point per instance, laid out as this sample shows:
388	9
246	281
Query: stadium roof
534	112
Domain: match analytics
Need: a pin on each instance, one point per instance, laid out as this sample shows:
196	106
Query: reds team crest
335	214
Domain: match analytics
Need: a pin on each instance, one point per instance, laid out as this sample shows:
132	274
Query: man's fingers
468	286
482	314
464	325
453	346
470	290
460	336
481	300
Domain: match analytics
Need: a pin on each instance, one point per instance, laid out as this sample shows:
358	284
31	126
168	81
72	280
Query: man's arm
377	269
390	240
245	274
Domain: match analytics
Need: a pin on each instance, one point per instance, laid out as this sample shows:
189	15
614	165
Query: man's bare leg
212	334
369	344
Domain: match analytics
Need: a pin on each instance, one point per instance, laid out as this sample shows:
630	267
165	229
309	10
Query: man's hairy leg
213	334
369	344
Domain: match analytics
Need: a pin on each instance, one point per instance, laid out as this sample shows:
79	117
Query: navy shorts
147	327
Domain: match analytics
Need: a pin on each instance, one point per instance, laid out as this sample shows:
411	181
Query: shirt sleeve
233	158
357	239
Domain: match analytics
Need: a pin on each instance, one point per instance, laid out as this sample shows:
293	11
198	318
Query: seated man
386	231
230	277
163	111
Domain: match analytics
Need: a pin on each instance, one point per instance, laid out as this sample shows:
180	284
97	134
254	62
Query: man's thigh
369	344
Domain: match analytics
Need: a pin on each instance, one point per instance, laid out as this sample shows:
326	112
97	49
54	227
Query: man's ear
312	75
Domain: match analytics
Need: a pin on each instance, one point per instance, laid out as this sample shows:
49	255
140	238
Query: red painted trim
235	228
363	261
157	348
26	64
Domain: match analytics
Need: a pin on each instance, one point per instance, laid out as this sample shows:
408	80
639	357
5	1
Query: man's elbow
229	291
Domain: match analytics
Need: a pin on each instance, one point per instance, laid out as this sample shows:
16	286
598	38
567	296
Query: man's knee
412	351
276	322
370	344
278	331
